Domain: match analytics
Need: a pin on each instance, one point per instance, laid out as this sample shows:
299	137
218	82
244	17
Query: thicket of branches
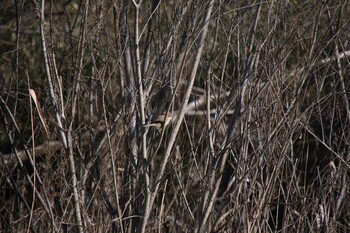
259	91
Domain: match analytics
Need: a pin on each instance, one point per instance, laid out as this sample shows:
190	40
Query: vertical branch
139	80
76	89
131	86
181	113
58	114
131	110
142	111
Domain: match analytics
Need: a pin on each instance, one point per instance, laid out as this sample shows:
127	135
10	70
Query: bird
163	119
